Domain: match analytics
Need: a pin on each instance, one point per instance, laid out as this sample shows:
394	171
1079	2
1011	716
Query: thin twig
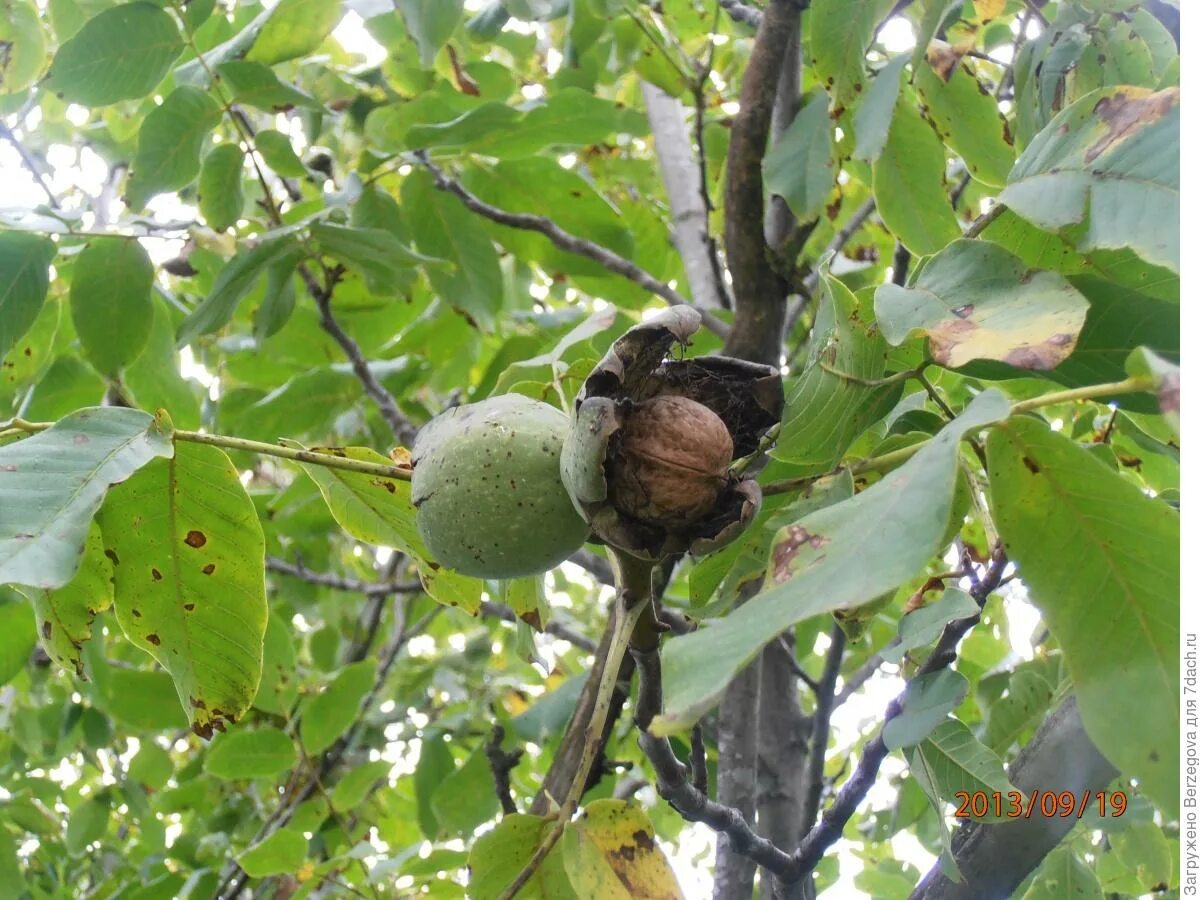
502	762
814	775
858	679
742	12
676	788
401	427
564	240
227	442
28	161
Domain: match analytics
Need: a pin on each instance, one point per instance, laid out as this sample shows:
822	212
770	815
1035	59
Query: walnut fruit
672	462
490	502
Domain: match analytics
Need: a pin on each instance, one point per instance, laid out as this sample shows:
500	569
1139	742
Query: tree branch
759	292
564	240
814	774
681	176
502	762
27	160
995	858
673	784
403	430
742	12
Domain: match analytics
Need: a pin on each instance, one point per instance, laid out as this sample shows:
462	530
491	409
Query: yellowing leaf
610	852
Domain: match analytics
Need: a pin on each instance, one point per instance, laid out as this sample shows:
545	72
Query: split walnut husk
647	458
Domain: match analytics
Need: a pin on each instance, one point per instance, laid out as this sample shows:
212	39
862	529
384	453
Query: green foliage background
280	244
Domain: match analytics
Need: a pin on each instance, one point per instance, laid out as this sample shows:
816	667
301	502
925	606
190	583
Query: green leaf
121	54
430	23
279	298
951	760
254	84
498	856
110	302
260	753
610	851
18	637
88	823
450	231
873	119
966	116
1115	609
220	193
196	72
1111	161
910	184
25	57
187	552
433	765
69	384
169	141
1144	849
524	596
1143	363
799	166
155	379
378	254
371	508
1020	709
301	405
24	281
52	484
927	701
815	566
570	117
923	626
975	300
327	716
353	787
142	700
294	29
276	150
65	615
840	32
233	283
542	187
827	410
1063	876
152	766
466	798
281	853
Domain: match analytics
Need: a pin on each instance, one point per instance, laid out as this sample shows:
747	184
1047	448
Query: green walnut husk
486	485
647	458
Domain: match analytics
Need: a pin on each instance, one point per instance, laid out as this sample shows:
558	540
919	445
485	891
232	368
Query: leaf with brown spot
61	485
194	516
975	300
65	614
610	852
1109	161
525	597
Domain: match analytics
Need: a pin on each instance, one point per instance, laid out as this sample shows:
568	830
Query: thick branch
759	292
995	859
681	177
676	789
564	240
783	732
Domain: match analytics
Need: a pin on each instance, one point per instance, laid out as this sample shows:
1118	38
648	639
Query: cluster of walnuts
511	486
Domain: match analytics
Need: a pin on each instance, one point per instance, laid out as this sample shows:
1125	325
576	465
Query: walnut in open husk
647	458
673	462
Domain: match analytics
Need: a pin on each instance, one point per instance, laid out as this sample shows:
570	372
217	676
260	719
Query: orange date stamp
1016	805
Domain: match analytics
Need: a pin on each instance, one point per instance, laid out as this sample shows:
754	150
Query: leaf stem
634	580
313	457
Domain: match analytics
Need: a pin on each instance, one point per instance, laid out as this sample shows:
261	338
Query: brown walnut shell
672	462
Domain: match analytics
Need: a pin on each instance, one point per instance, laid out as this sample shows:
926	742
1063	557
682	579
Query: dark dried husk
748	398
